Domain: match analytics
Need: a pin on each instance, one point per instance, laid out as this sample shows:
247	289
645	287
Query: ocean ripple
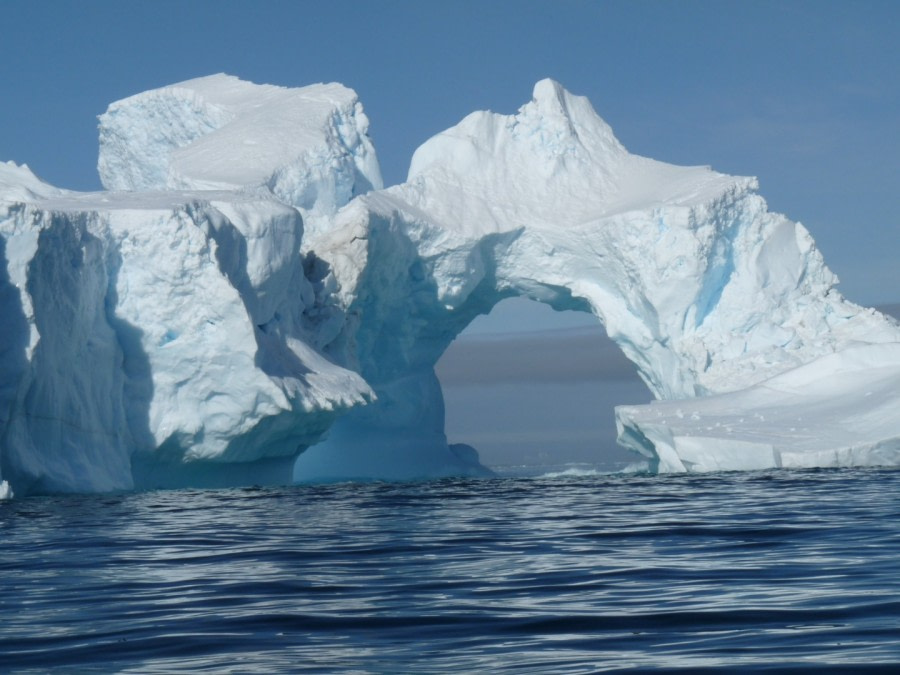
786	570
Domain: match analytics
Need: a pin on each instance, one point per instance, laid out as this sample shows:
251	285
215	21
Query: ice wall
151	331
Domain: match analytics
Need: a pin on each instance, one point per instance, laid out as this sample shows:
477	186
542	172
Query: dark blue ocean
780	571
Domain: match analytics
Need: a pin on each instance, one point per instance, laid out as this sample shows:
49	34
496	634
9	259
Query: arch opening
418	308
533	390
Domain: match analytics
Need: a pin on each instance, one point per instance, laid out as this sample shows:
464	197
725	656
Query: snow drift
247	292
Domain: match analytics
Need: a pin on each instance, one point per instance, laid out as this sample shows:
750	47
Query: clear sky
804	94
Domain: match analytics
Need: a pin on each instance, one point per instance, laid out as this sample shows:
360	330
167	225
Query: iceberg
246	303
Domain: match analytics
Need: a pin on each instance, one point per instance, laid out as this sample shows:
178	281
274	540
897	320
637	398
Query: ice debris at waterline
247	301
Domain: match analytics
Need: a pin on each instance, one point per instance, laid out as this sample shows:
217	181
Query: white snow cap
308	145
19	184
552	164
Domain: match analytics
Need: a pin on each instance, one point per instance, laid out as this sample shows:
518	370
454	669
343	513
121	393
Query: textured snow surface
247	291
308	146
839	410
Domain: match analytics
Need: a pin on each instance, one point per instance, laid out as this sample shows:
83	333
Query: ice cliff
146	333
246	292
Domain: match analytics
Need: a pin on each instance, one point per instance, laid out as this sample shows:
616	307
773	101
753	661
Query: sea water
782	570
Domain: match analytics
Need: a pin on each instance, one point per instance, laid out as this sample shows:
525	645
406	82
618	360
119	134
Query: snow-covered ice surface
308	145
839	410
247	292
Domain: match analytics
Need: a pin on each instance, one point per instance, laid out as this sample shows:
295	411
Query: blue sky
804	95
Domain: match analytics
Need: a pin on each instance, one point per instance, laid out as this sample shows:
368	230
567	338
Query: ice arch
702	288
407	328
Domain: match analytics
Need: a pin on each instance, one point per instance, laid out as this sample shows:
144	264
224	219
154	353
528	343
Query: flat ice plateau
246	303
839	410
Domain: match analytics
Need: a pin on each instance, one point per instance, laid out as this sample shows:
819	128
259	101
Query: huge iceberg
246	292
